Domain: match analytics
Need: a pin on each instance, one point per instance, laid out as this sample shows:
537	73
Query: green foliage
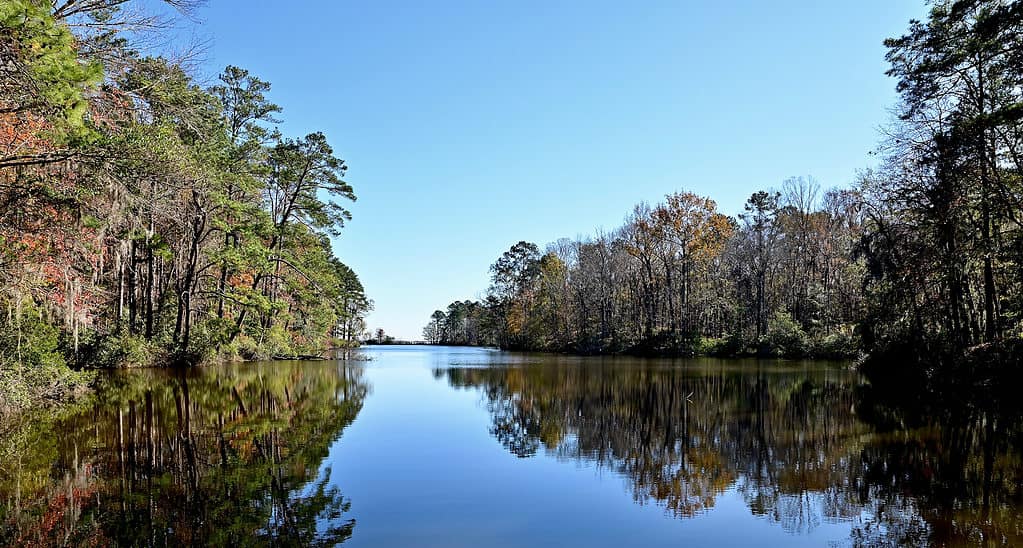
60	76
278	342
668	343
208	339
464	323
134	351
943	246
246	348
116	350
732	345
189	231
842	344
33	367
784	338
29	340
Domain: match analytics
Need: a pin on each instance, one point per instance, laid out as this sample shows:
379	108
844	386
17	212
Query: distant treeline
679	277
146	218
917	263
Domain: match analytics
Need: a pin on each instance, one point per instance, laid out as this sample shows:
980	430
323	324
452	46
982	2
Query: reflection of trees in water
928	486
789	441
961	465
218	456
681	439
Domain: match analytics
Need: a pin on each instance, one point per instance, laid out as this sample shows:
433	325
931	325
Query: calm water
433	446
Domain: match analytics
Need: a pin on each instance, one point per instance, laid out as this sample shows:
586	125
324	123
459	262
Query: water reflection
224	456
239	455
796	441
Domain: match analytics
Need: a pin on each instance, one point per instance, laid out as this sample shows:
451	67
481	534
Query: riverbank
135	229
20	393
786	344
44	374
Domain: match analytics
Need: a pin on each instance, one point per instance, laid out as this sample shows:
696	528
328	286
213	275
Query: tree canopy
148	218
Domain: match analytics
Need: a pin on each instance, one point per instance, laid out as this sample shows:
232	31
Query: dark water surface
435	446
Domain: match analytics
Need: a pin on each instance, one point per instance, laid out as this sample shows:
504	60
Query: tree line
146	217
919	258
680	277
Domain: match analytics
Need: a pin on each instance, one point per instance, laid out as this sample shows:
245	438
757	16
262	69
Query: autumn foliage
148	219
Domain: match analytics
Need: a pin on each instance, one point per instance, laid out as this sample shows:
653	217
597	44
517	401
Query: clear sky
468	126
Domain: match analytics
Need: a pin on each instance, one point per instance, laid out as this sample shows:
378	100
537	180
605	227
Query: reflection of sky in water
433	446
422	468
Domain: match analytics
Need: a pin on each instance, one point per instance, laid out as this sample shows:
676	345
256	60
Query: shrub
278	342
246	348
124	350
32	365
784	338
842	344
731	345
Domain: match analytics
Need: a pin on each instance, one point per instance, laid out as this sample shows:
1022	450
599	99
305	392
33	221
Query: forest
918	262
860	342
680	277
147	218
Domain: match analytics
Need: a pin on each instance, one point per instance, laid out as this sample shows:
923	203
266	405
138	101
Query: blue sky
468	126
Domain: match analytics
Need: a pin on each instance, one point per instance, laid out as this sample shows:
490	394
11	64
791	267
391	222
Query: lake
445	446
